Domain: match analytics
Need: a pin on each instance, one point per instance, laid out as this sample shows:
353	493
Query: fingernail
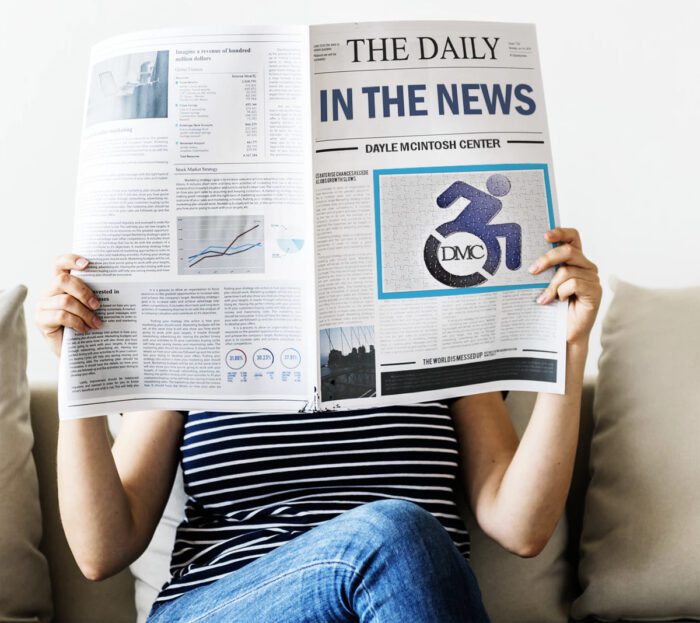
97	322
534	268
81	262
542	297
94	303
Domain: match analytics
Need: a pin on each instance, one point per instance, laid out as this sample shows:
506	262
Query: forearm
94	506
533	491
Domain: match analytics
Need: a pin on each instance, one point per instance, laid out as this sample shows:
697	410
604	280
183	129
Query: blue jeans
388	561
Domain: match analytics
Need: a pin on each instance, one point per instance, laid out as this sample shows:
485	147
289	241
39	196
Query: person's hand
575	279
67	303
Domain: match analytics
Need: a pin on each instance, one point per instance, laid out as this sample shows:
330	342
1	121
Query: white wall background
622	82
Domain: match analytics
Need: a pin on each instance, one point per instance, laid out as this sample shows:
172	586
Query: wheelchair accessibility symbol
465	252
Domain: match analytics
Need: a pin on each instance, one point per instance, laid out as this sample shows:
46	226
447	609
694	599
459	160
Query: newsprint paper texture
301	218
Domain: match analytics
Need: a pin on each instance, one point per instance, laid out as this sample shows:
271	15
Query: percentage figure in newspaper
474	219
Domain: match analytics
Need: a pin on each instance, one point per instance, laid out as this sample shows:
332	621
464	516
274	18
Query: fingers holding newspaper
576	279
68	302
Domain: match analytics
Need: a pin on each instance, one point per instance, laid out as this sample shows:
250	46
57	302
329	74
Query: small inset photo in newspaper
130	86
347	363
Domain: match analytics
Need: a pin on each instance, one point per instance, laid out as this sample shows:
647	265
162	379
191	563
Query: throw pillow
25	590
640	544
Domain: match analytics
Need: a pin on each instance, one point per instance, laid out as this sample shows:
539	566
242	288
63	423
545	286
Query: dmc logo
468	253
460	251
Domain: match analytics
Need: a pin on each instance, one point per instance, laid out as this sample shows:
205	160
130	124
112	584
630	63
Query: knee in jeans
402	519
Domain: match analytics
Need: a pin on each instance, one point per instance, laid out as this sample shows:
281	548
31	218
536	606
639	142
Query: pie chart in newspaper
290	245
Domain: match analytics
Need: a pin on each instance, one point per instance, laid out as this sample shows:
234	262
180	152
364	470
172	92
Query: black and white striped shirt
256	480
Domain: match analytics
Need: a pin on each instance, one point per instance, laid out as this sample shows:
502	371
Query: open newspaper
324	217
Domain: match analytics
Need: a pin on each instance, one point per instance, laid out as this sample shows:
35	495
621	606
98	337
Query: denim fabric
388	561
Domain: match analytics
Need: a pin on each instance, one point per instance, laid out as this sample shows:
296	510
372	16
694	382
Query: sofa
77	600
591	569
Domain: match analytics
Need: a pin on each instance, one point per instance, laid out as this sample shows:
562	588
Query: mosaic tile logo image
453	232
462	250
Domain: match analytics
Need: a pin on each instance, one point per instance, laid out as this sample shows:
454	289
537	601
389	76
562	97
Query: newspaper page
433	189
193	206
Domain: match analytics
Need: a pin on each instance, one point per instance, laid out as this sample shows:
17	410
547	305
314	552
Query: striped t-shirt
256	480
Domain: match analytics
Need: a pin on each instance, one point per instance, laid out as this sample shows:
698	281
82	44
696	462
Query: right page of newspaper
433	189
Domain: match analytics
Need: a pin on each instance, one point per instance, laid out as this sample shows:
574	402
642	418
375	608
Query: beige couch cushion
514	589
25	592
76	600
640	545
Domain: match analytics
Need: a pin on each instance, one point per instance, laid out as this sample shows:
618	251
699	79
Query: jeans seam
372	611
228	602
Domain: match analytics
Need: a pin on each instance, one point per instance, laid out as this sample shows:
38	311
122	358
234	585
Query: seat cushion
76	599
526	590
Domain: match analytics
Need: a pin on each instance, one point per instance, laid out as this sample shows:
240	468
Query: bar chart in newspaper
218	244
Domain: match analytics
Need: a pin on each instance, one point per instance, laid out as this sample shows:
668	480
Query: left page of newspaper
193	207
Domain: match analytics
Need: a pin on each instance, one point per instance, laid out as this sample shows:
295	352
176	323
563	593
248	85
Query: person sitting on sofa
288	519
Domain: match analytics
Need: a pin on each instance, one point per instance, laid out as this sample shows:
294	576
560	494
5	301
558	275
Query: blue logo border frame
452	169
